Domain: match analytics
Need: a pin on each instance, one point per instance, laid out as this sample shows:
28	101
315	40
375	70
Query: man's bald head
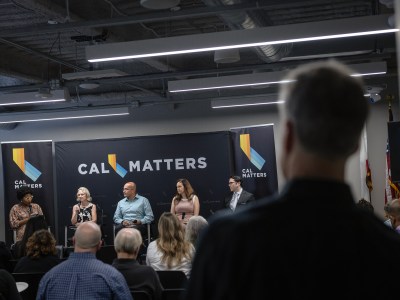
87	237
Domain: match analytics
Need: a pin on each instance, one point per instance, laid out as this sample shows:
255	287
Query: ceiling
43	42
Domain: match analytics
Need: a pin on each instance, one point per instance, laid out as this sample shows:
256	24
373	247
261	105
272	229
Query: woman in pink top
185	203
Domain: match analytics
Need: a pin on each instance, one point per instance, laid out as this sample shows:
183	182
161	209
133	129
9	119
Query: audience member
5	257
185	203
34	224
311	237
194	227
21	213
238	196
133	211
85	210
364	204
82	276
393	211
40	254
387	221
8	287
170	251
139	277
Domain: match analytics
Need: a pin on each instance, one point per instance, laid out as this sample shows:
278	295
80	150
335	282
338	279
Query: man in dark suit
311	237
238	195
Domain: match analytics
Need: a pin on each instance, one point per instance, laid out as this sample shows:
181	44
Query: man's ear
288	136
73	241
99	245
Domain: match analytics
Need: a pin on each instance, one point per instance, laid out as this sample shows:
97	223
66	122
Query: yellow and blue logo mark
112	160
26	167
251	154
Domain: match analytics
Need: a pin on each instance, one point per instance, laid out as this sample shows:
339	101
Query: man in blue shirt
134	210
83	276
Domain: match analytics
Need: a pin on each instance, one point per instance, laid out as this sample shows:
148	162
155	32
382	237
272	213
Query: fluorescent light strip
254	100
231	86
257	79
368	74
273	35
239	46
31	141
63	115
249	104
32	102
33	98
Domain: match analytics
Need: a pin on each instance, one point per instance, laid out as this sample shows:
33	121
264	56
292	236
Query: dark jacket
139	277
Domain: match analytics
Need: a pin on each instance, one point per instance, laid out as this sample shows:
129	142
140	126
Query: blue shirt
136	209
83	276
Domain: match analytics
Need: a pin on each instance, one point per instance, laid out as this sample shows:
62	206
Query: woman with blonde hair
185	203
170	251
85	210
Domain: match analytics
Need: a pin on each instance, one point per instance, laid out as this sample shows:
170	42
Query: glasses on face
28	197
231	182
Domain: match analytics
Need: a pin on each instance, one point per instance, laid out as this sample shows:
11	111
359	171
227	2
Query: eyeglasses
231	182
28	196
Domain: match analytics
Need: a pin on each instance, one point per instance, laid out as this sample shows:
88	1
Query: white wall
197	117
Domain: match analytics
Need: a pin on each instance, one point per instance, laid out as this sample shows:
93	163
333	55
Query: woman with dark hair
40	254
170	251
185	203
34	224
21	213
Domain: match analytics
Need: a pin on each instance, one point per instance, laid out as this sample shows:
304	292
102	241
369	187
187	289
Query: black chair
140	295
33	280
172	279
172	294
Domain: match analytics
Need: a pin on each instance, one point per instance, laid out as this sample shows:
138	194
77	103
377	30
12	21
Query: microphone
183	215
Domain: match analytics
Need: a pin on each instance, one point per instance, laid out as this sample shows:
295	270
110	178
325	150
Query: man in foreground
311	238
83	276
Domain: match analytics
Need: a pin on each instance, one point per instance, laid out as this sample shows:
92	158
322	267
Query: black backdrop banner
255	160
154	163
28	164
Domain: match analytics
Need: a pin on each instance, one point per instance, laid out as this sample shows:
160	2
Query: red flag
392	189
368	178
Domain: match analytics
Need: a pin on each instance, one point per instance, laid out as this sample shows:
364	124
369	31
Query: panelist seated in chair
133	211
85	210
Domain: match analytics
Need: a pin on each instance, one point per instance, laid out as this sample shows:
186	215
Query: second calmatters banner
255	159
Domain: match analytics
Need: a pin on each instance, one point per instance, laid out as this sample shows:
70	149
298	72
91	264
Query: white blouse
153	259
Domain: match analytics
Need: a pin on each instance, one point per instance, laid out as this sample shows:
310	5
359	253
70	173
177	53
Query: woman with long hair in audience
170	251
40	254
85	210
185	203
34	224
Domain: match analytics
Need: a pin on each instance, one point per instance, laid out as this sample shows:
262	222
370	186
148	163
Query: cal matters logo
251	154
112	160
25	166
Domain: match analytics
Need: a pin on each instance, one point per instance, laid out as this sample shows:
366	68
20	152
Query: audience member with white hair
139	277
194	227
